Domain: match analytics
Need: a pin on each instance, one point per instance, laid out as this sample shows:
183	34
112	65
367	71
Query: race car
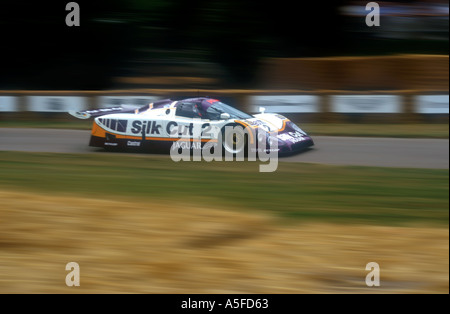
193	123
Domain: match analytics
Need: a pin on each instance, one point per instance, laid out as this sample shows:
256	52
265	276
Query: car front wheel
234	140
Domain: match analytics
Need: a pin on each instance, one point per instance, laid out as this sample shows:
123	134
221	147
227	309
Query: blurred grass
424	130
296	190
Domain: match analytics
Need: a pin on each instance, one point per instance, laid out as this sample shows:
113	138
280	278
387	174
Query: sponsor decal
366	104
55	103
189	130
286	103
259	150
187	145
8	103
293	137
432	104
147	127
133	143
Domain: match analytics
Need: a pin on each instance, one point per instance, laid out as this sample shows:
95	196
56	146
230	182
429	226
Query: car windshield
217	108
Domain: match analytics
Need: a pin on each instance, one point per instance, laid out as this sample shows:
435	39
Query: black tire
237	142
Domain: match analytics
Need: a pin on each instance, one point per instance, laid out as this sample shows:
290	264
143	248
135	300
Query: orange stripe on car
250	131
283	127
98	131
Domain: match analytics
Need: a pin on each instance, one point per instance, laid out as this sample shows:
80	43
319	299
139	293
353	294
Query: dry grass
177	248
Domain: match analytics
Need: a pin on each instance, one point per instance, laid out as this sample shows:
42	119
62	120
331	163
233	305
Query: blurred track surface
358	151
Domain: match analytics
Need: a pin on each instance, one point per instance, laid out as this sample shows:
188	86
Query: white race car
192	123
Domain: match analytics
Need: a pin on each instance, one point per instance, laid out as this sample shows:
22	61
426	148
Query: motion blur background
142	223
224	44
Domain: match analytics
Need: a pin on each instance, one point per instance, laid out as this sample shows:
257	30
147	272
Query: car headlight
296	128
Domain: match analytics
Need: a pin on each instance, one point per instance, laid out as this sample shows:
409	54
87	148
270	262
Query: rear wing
87	114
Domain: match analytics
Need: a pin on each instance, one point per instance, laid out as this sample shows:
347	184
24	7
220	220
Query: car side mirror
225	116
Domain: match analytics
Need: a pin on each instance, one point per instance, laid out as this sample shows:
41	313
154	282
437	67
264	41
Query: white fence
283	103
